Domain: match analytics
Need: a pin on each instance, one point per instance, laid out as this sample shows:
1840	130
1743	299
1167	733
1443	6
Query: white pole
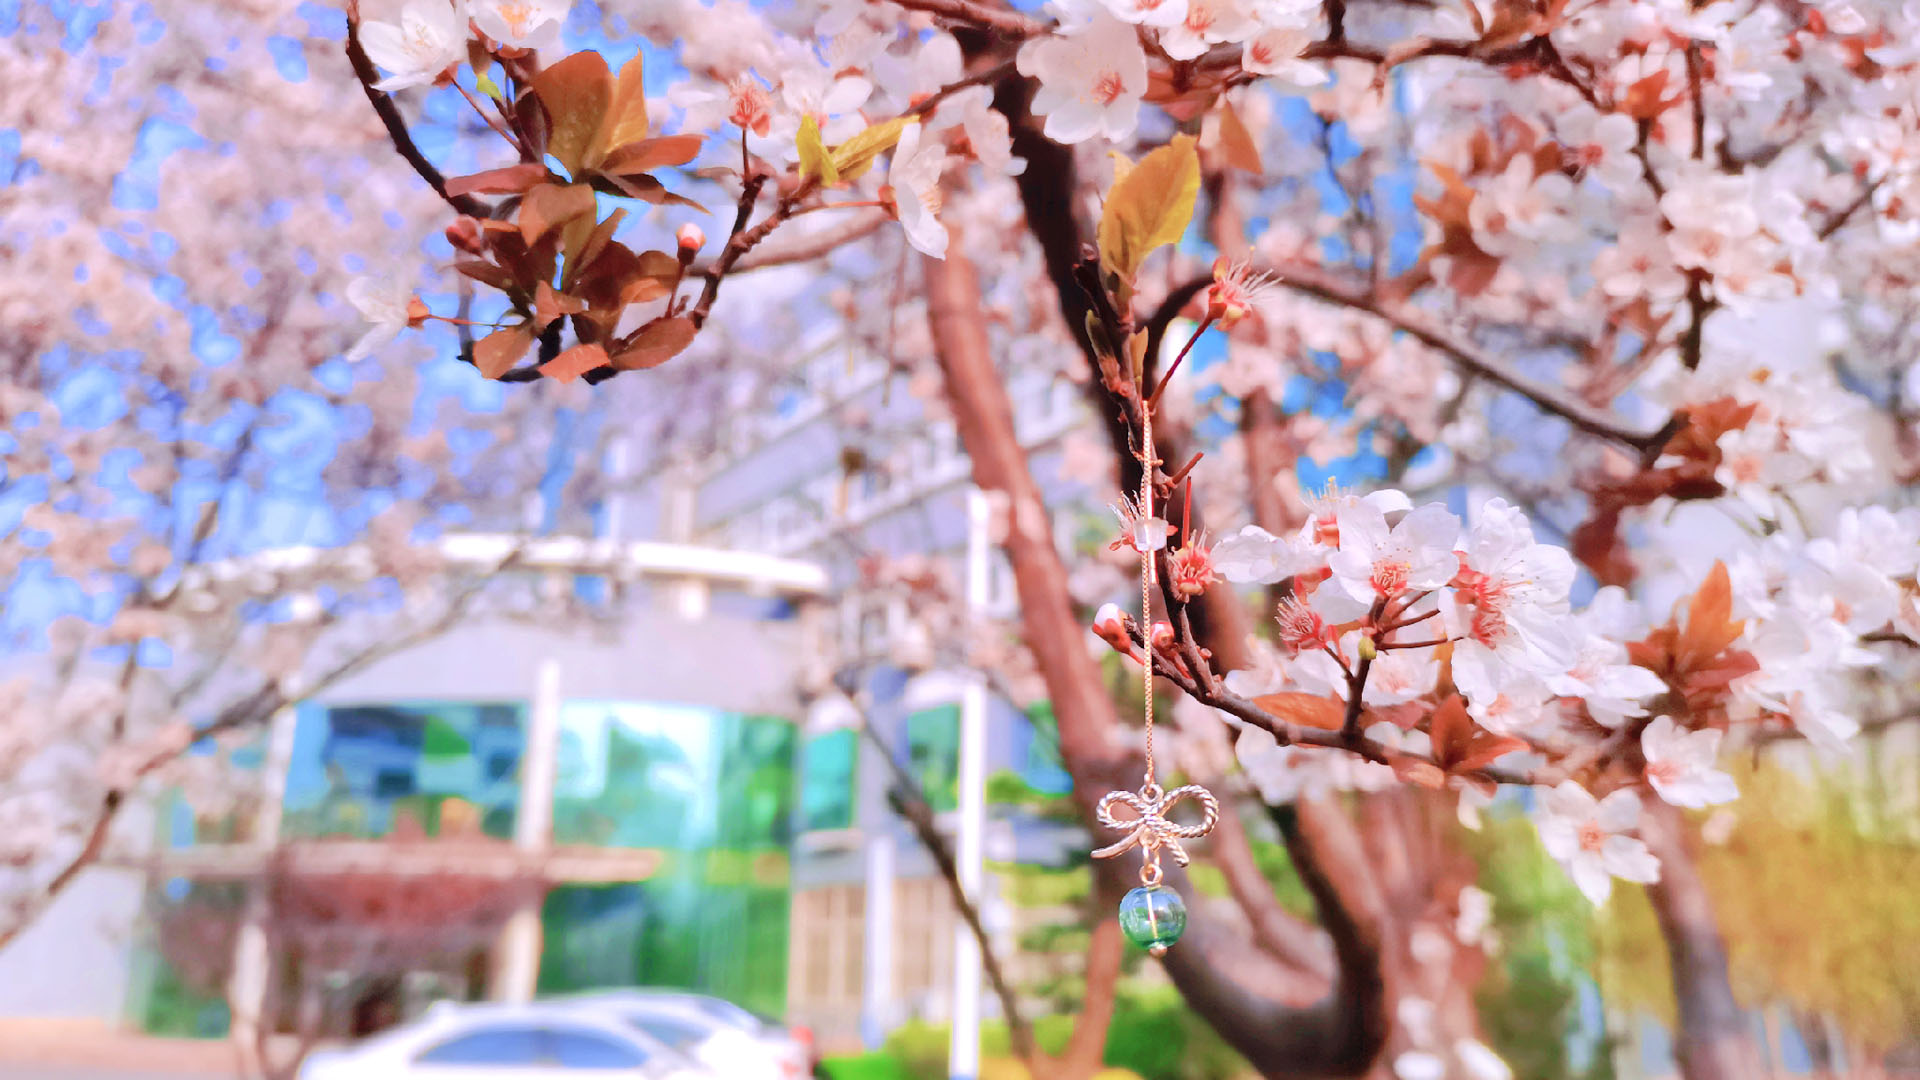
518	973
876	984
252	960
963	1056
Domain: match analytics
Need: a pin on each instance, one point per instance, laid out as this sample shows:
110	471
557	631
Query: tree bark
1713	1040
1219	975
1086	1048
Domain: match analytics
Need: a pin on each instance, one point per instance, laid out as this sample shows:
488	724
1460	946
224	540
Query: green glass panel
827	774
933	754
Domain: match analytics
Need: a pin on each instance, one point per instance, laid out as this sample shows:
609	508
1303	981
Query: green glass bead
1153	917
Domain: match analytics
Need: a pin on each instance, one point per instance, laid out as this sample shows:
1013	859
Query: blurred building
700	810
872	932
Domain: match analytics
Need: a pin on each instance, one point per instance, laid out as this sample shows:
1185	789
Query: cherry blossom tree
221	493
1632	277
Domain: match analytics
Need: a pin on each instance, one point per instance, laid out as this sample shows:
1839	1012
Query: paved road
12	1071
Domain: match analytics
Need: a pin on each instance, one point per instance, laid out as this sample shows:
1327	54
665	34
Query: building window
356	770
827	769
1040	765
933	755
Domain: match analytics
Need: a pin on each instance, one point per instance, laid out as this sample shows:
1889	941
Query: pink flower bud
690	237
1110	623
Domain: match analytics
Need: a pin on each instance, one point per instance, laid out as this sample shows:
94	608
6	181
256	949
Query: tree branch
910	802
1318	283
1224	980
389	113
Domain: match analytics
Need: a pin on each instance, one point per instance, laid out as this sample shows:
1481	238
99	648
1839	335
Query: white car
718	1034
508	1042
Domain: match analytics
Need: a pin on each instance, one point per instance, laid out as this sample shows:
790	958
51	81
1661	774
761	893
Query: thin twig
396	125
1319	283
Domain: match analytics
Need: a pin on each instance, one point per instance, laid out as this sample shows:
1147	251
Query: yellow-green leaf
576	92
814	159
855	156
626	116
1149	206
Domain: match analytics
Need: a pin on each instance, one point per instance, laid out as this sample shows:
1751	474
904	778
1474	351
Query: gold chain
1147	462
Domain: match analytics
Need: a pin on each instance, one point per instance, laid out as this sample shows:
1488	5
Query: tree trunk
1220	974
1086	1049
1714	1040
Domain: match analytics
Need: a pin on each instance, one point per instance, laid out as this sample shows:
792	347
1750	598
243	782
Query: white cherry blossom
1207	23
425	38
1589	838
521	24
914	177
1680	765
1378	561
1090	82
1276	53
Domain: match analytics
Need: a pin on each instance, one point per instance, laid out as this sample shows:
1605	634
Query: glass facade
1037	746
365	771
933	755
828	767
711	792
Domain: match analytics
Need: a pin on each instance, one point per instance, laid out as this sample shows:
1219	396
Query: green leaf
576	92
1149	206
855	156
814	159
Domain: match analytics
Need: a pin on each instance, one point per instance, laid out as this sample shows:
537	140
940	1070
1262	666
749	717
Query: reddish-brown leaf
646	155
1710	623
1236	142
1460	745
655	343
647	189
511	180
1714	676
590	248
552	204
1647	99
496	353
549	305
1306	710
485	272
574	363
626	116
576	92
1415	771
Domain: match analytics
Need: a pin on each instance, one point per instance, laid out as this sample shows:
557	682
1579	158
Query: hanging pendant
1153	916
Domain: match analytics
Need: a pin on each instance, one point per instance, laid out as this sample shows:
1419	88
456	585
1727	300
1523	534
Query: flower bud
464	235
1110	623
690	237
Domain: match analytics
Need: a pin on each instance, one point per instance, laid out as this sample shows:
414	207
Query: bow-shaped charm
1151	831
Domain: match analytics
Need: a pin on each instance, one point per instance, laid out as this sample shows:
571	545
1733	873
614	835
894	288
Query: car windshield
683	1033
727	1012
